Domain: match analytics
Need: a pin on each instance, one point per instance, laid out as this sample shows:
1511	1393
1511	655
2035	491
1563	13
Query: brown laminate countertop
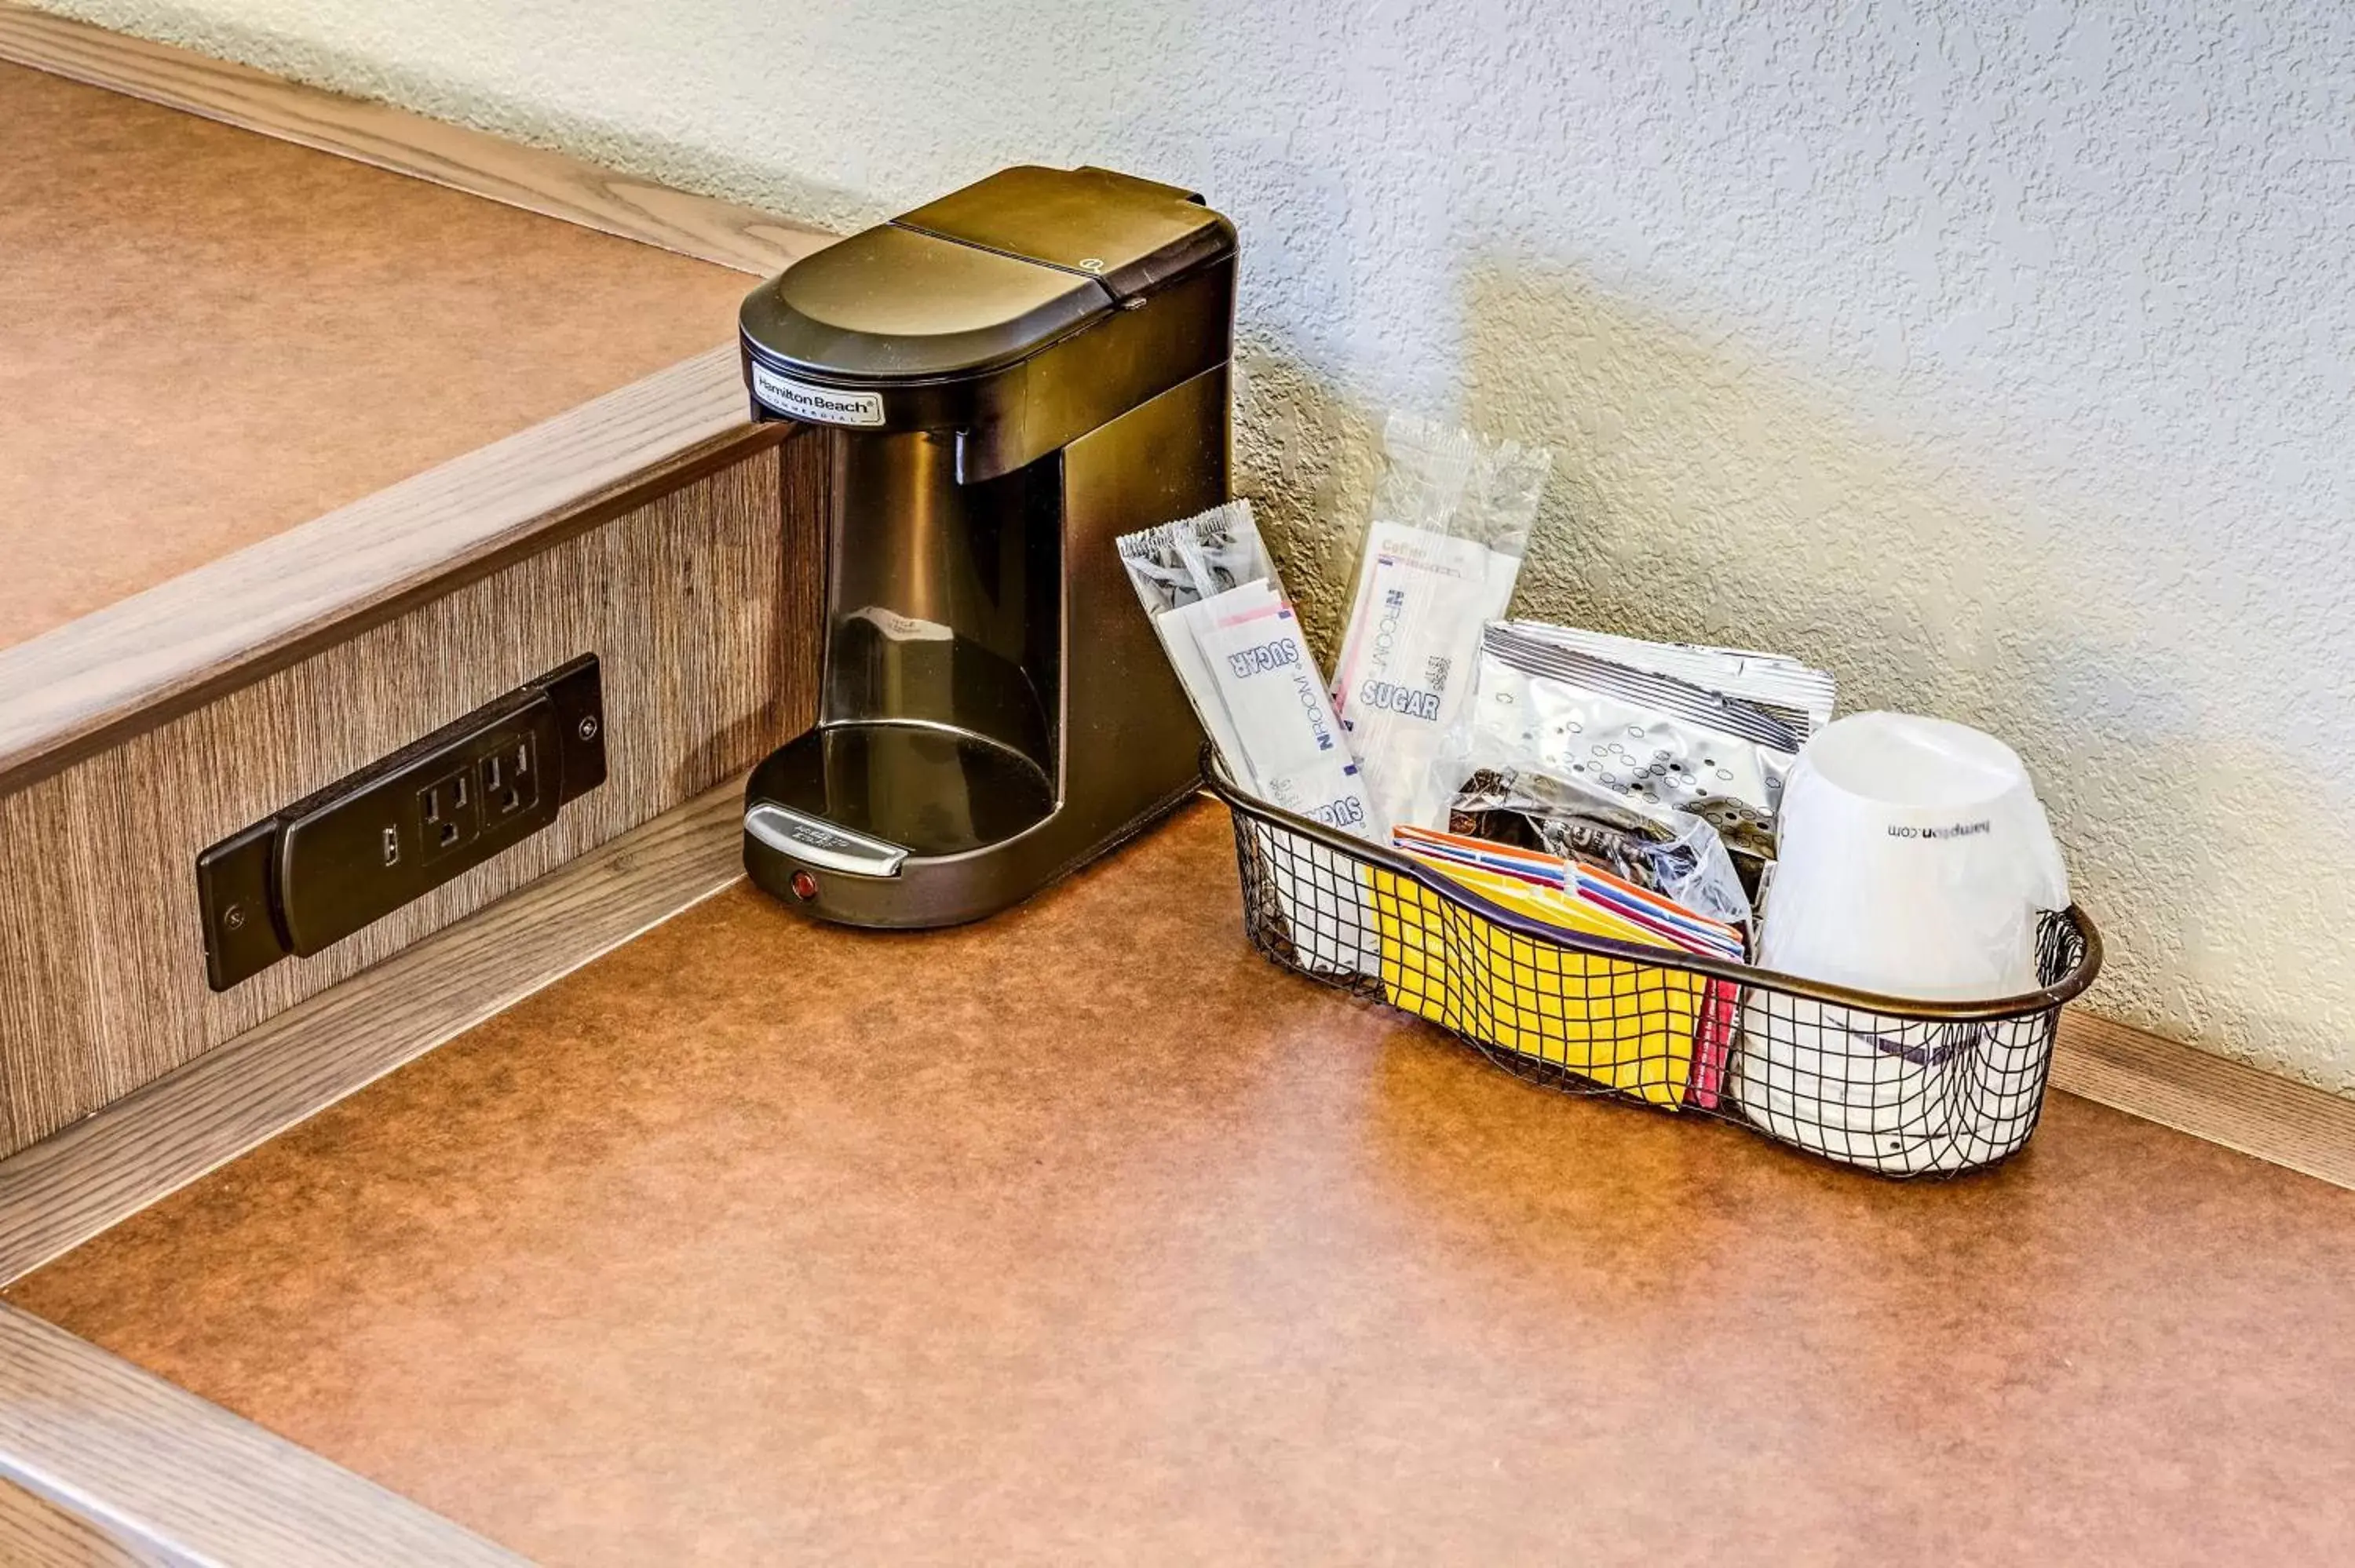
208	336
1085	1234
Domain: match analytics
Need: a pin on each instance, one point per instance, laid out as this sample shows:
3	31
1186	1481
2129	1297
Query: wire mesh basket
1885	1083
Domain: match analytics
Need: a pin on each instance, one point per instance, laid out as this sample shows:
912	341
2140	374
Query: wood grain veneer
702	604
75	1183
137	1471
2205	1094
1083	1234
108	676
37	1533
744	239
653	526
212	337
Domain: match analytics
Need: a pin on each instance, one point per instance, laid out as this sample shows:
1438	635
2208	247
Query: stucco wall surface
1996	354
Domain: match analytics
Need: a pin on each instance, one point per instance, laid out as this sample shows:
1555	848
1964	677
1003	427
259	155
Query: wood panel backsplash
703	606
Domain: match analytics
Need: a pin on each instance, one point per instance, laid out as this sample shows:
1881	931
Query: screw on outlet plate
317	870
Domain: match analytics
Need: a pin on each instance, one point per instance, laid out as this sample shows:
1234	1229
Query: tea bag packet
1441	555
1568	892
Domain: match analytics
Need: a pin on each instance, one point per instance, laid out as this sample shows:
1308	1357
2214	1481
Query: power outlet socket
509	779
301	880
447	816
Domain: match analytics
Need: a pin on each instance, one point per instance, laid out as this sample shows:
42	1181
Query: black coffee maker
1009	377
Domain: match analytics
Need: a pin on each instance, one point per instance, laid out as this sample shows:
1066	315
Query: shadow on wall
1703	497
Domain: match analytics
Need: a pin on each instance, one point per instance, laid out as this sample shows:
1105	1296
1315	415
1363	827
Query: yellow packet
1627	1027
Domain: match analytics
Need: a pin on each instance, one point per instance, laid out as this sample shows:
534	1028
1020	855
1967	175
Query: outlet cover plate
342	858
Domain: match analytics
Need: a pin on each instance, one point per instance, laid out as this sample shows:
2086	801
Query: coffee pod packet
1635	731
1656	848
1798	697
1629	742
1517	775
1439	558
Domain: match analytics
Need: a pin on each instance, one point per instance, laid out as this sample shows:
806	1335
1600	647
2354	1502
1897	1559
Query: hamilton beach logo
826	404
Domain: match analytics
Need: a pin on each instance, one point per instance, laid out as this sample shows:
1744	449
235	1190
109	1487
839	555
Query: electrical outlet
447	815
340	859
510	779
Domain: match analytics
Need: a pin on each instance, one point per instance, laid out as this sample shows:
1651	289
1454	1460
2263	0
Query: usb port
392	846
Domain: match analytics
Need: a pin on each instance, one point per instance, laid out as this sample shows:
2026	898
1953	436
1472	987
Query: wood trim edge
2212	1098
146	660
77	1182
727	233
37	1531
172	1478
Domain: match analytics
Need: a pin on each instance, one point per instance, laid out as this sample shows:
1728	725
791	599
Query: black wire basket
1882	1082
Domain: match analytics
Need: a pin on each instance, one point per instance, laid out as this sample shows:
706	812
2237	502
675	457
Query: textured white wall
1996	354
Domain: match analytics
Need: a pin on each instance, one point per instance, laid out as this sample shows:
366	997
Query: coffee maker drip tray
928	788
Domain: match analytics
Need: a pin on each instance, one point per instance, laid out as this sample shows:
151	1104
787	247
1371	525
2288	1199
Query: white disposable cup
1913	861
1893	1095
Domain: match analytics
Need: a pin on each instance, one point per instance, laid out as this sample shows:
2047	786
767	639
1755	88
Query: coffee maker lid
1130	234
982	277
892	303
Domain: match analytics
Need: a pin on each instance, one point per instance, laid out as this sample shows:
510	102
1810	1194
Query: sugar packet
1232	638
1441	554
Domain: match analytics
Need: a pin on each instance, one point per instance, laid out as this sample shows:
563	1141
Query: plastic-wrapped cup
1914	861
1899	1095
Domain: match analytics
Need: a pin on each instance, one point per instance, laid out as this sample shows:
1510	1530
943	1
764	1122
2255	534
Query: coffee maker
1008	378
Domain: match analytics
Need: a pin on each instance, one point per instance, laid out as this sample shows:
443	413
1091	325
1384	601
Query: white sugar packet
1439	559
1232	638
